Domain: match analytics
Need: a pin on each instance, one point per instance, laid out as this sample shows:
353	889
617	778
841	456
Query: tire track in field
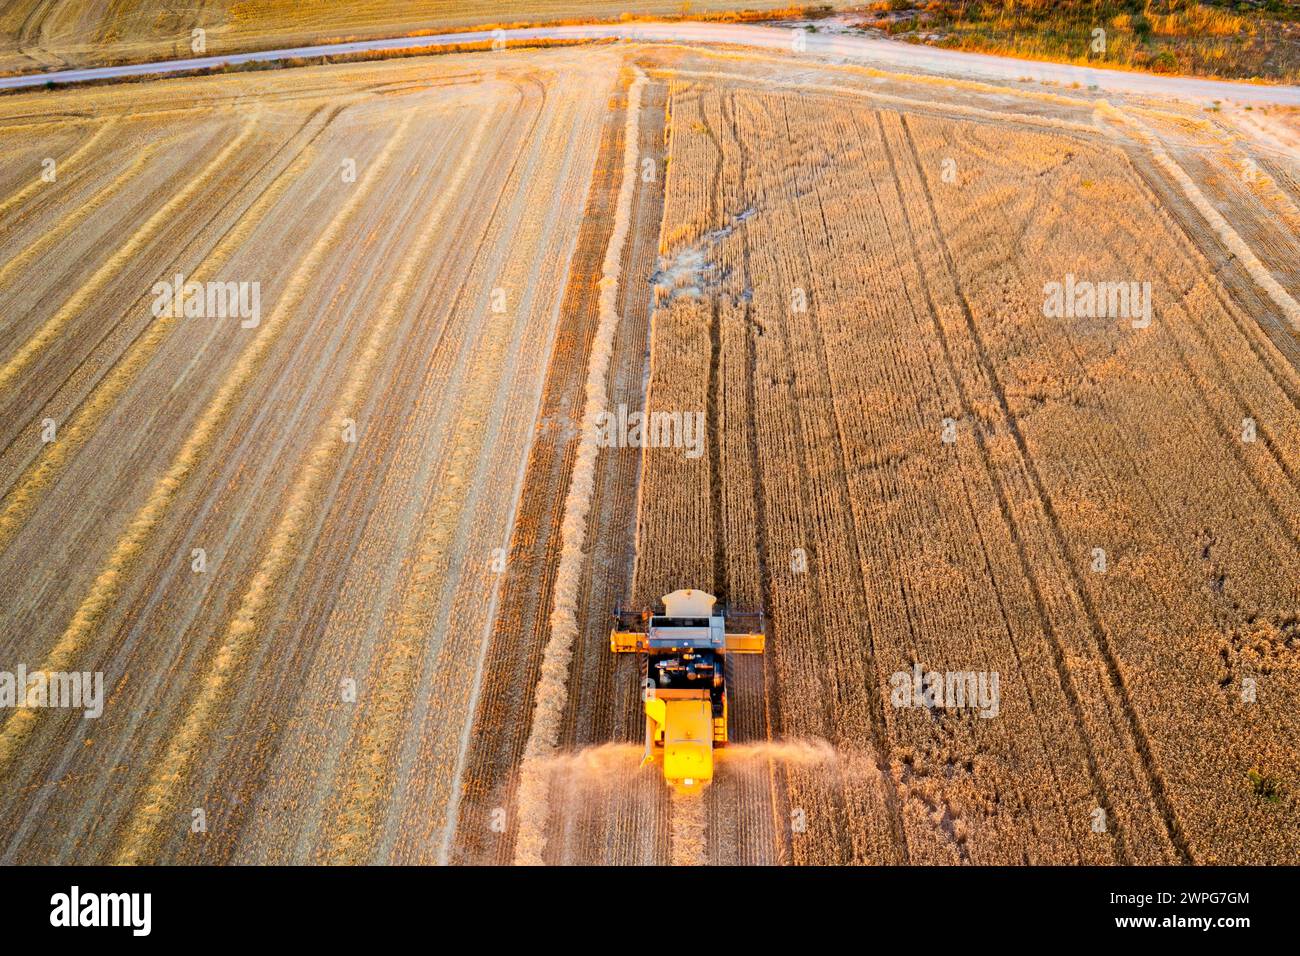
712	411
236	454
552	689
848	530
23	495
299	764
1154	778
566	357
789	351
802	343
626	821
749	362
904	102
29	36
630	825
1283	379
1282	361
1227	235
1023	558
881	140
105	589
1283	376
688	830
513	646
81	299
776	775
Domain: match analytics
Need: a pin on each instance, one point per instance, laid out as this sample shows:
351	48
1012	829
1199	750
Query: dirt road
884	53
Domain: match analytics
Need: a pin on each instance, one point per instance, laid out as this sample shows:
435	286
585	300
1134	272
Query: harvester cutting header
685	678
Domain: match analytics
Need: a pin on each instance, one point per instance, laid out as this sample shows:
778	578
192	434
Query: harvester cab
684	679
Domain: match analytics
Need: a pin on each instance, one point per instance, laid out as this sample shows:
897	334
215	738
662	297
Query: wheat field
1120	683
843	277
373	418
346	563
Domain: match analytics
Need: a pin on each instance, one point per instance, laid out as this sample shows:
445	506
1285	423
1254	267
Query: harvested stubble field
348	465
905	462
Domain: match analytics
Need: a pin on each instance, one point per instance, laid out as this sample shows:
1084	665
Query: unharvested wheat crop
916	463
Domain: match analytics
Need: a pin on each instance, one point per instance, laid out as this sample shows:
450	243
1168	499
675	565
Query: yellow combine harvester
685	682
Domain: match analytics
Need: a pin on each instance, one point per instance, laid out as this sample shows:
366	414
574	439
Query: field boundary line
104	590
552	686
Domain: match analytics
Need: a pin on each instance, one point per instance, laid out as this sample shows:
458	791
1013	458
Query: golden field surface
347	570
381	312
62	34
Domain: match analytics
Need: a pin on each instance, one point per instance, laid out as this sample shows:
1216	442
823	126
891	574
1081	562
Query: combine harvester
685	681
